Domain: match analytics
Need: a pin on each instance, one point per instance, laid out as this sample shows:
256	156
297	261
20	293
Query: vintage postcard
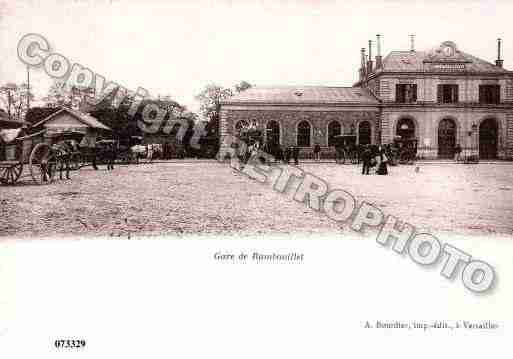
256	178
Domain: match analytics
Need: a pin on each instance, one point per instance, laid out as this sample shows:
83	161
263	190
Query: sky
177	47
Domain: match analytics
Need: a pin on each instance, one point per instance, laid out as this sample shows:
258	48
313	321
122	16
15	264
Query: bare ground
210	197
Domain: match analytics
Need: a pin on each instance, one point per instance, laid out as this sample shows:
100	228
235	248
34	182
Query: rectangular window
447	93
406	93
489	94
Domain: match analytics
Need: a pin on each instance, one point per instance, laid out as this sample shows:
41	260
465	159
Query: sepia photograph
256	178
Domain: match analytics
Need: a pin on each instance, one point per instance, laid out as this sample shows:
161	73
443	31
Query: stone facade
483	128
427	122
289	118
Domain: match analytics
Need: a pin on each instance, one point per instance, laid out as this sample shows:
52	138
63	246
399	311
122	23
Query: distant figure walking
288	154
457	153
317	152
279	153
111	155
339	149
295	155
383	160
366	160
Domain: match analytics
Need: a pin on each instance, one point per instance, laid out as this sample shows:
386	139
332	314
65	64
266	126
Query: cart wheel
10	175
42	164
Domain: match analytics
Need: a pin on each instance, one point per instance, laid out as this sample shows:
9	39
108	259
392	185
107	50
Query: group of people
371	156
245	151
374	156
95	147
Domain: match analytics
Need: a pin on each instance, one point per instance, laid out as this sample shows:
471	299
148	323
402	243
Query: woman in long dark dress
382	166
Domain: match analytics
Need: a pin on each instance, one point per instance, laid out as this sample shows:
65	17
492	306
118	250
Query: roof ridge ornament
447	52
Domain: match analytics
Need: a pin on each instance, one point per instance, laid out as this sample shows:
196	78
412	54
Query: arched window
334	129
303	134
239	126
364	133
273	132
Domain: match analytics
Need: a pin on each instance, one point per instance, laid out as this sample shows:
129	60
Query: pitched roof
420	61
311	95
82	117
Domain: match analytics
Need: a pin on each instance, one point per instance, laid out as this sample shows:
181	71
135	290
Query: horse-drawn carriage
132	151
124	151
38	155
346	149
403	151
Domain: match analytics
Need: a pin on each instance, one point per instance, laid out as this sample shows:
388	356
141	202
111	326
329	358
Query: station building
441	97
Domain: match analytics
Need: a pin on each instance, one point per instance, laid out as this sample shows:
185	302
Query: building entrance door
446	138
405	128
488	136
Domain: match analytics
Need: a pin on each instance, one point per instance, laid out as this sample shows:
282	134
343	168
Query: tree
15	98
116	116
210	105
211	97
210	100
61	94
242	86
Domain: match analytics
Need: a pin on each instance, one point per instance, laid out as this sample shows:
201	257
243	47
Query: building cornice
305	104
465	105
426	74
296	107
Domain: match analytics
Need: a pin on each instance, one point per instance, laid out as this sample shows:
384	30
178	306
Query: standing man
339	149
288	153
457	153
366	159
112	154
295	155
317	152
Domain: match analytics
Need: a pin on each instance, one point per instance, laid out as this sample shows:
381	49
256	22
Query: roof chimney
363	66
370	62
379	59
412	43
499	62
